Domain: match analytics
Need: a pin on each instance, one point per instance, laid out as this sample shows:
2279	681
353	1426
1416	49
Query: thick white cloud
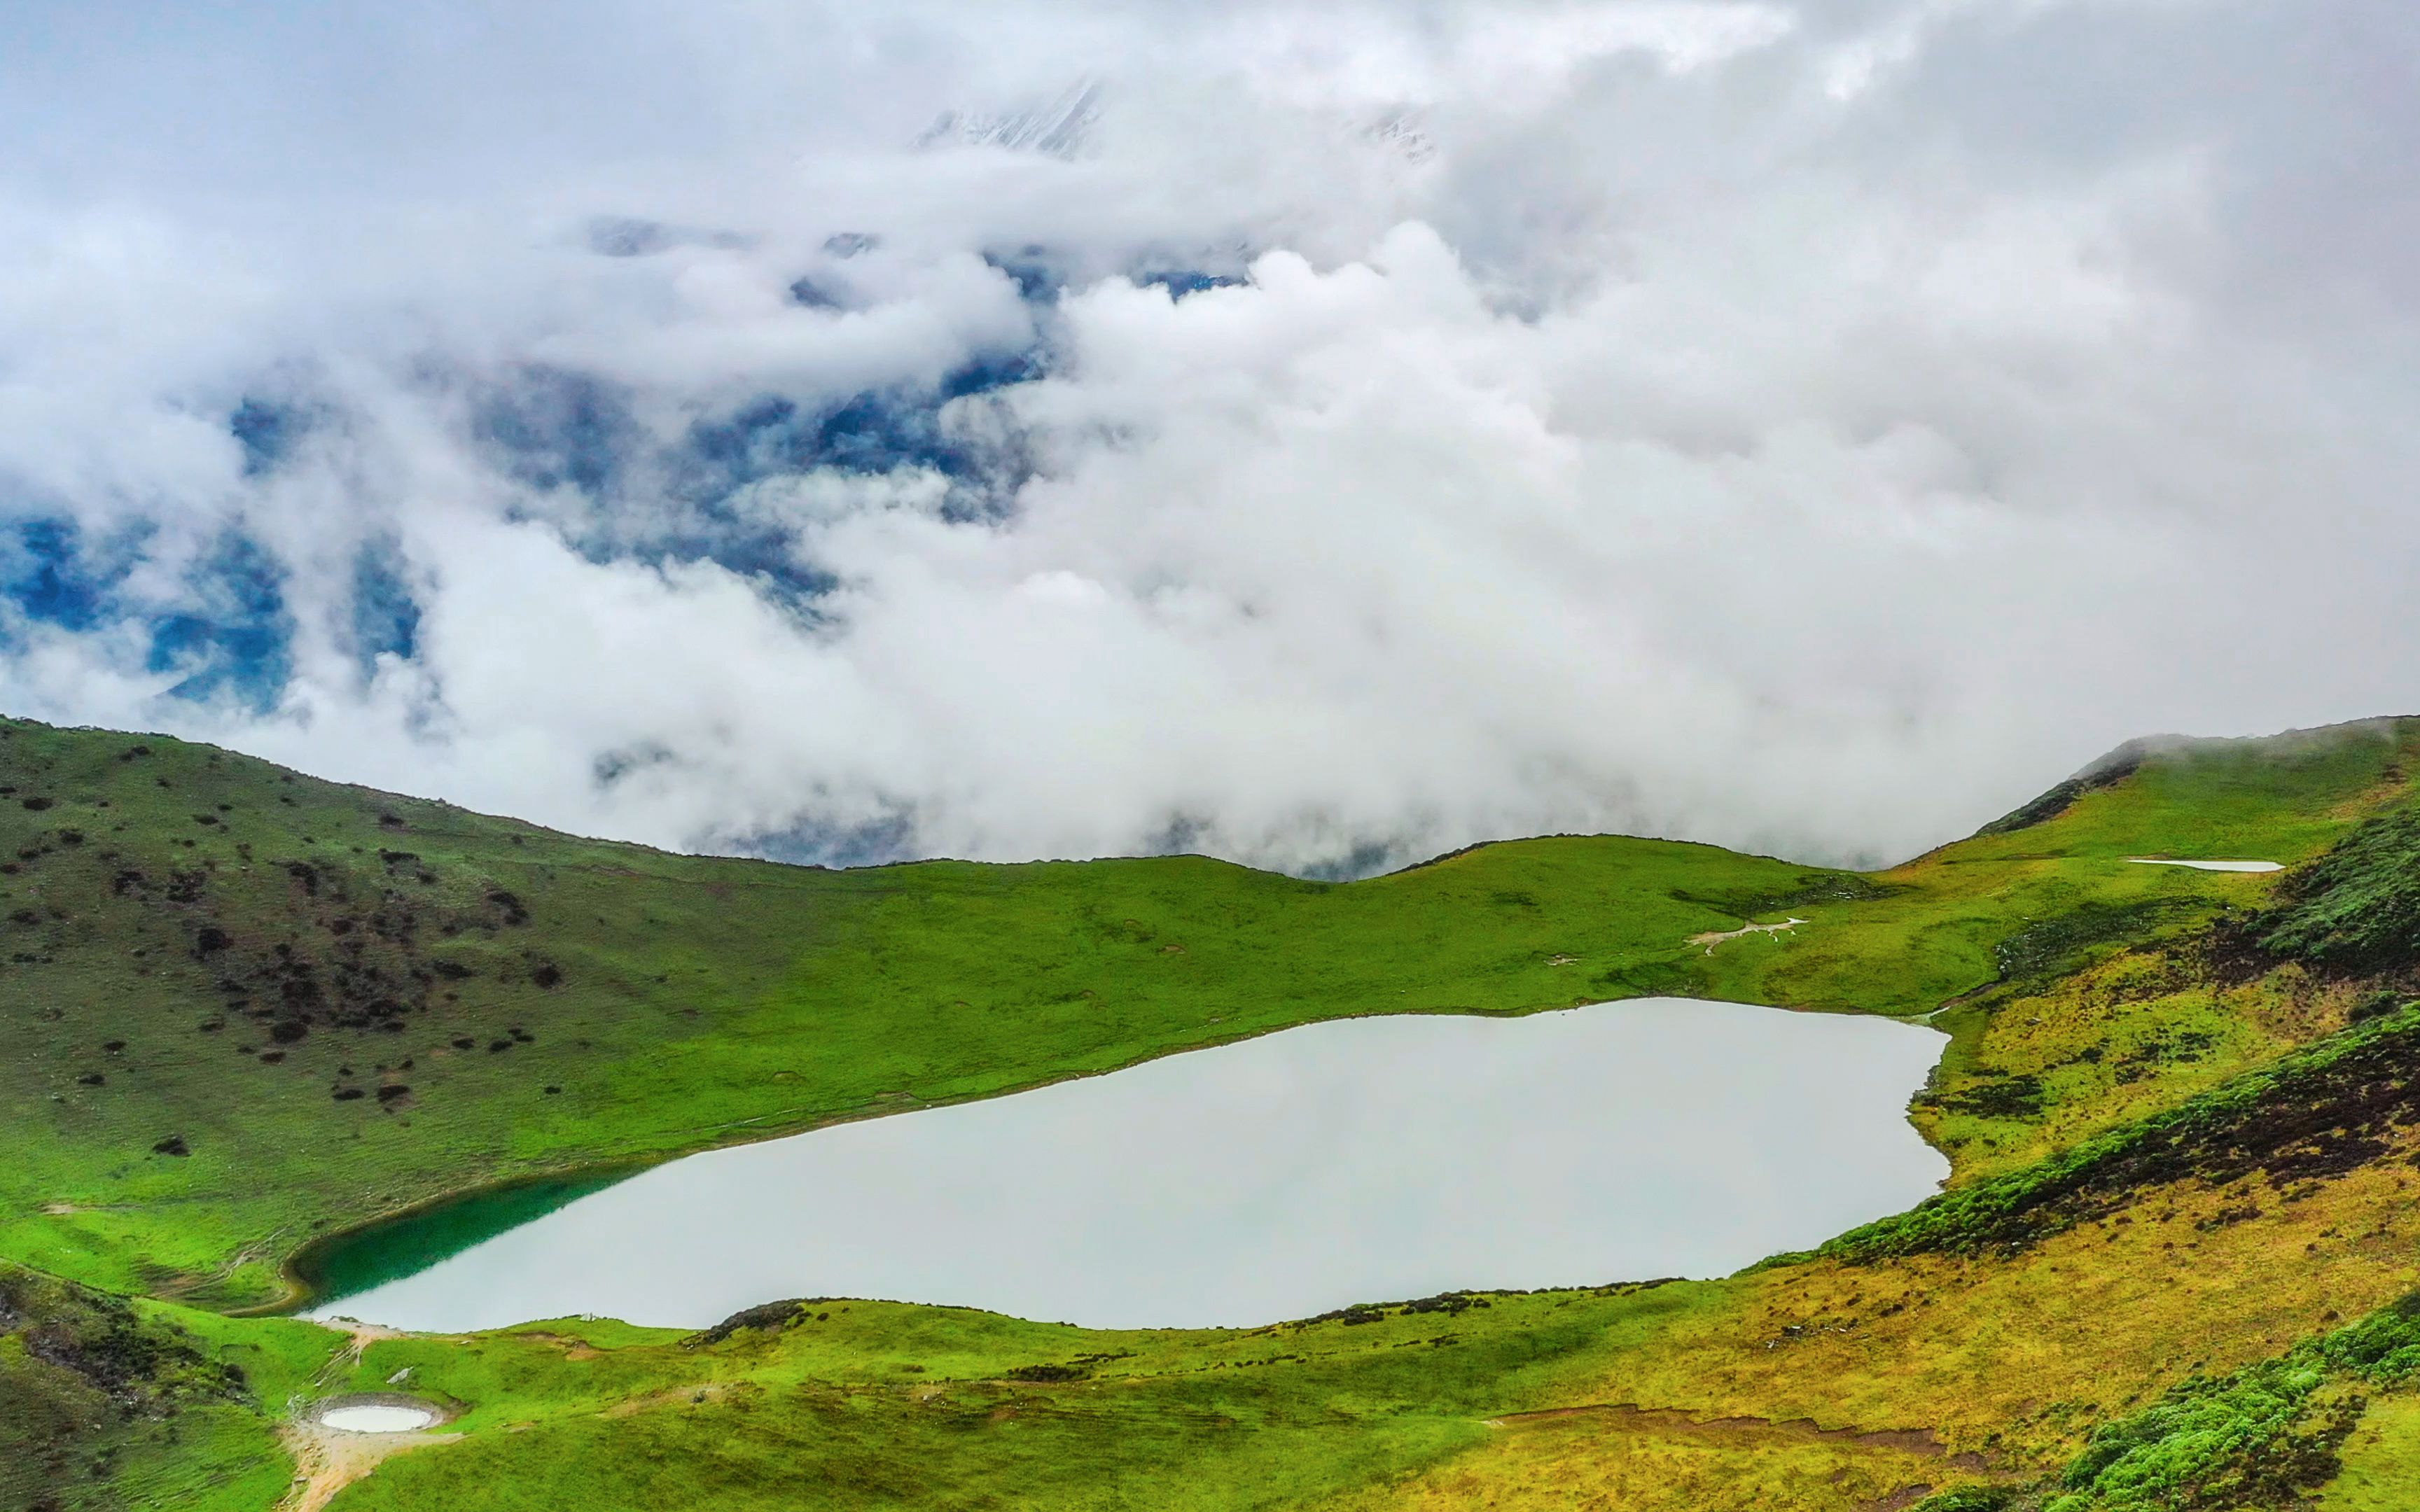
1811	428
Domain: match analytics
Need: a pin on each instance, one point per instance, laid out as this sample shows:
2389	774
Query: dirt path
358	1339
1714	938
326	1461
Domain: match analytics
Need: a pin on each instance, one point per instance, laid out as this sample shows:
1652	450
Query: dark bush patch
1649	979
273	1057
2006	1097
347	1094
210	940
2356	909
389	1093
38	804
547	975
772	1315
1048	1372
388	821
1810	888
91	1078
112	1046
2180	1048
2053	947
2377	1005
1448	1303
172	1145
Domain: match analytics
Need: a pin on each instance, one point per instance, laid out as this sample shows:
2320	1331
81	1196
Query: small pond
1361	1160
377	1418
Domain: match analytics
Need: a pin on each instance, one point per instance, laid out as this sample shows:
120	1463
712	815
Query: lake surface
2209	866
1363	1160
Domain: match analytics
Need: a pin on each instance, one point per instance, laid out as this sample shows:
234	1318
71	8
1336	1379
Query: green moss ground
2381	1460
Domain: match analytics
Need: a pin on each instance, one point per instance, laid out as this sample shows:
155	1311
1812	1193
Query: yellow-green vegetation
2171	1270
2381	1460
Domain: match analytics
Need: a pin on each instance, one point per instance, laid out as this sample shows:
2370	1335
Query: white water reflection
1361	1160
377	1419
2209	866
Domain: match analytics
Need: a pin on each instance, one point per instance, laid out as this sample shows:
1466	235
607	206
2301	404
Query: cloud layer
1317	436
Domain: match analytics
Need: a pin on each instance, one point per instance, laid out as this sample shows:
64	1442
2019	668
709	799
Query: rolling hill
250	1013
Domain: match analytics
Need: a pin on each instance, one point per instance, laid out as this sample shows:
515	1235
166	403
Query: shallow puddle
377	1419
1356	1161
2209	866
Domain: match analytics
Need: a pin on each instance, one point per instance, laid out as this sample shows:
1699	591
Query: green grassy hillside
247	1010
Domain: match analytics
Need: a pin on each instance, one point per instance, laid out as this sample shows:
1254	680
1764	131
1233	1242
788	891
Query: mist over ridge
1320	436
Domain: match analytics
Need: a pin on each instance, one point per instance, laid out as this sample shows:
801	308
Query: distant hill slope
247	1009
2319	747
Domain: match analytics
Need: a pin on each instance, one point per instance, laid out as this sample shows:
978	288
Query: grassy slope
692	1000
107	1400
816	994
697	1001
2381	1460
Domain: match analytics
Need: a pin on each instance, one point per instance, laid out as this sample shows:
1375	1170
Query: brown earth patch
1669	1421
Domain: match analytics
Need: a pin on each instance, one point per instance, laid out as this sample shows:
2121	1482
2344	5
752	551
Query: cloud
1319	435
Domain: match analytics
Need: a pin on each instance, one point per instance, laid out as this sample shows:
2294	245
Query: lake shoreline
1362	1155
